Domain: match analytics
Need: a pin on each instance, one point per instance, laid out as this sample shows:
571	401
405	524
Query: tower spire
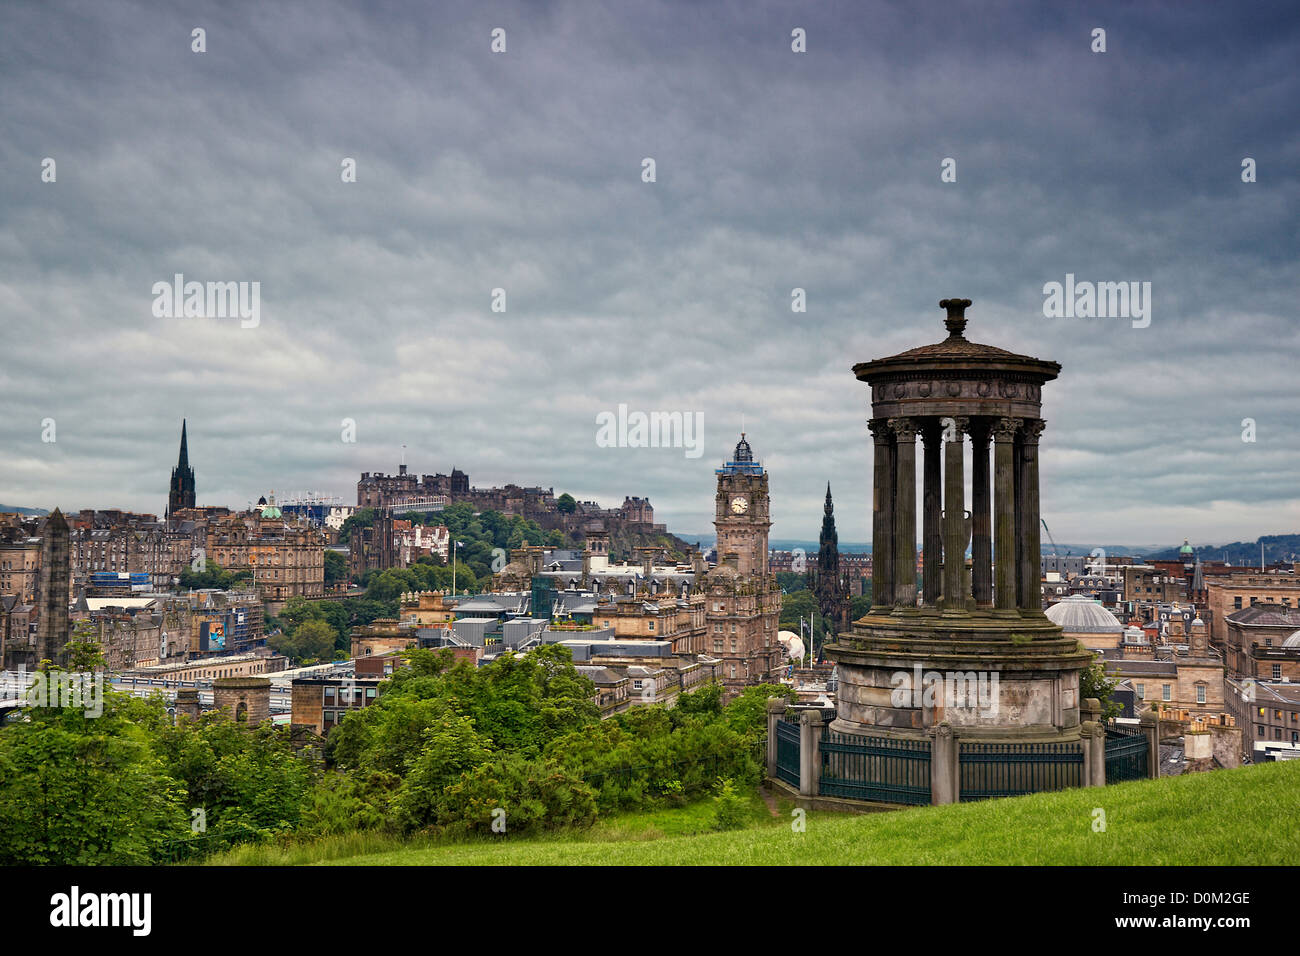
181	492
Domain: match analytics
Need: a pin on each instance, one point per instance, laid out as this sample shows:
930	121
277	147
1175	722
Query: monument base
989	676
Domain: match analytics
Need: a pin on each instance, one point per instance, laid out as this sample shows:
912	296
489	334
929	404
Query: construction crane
1053	540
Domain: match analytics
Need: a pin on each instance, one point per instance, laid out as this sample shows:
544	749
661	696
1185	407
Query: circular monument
973	649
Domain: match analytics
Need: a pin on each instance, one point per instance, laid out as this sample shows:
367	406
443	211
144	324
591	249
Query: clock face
739	505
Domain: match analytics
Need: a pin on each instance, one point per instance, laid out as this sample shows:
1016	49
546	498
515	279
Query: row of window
1166	692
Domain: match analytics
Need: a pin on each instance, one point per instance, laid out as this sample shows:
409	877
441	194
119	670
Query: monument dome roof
1082	615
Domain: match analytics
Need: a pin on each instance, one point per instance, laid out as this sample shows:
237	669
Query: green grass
641	825
1243	817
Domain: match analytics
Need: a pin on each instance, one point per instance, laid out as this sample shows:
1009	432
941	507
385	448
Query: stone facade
287	559
1233	592
743	599
245	699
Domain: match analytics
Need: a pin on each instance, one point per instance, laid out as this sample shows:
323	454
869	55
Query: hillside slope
1245	817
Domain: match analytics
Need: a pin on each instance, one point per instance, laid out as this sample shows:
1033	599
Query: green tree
336	568
313	639
565	504
77	790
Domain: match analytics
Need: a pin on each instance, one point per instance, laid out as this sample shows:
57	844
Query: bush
516	796
730	812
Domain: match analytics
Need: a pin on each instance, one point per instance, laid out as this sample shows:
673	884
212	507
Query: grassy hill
1240	817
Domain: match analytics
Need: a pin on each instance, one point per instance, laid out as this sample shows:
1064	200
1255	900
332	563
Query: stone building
287	560
985	618
1263	642
321	703
1150	584
1244	588
743	598
245	699
1268	713
20	558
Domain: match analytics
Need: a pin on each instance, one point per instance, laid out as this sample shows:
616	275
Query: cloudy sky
523	171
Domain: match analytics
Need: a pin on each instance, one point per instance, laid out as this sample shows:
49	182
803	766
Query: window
1200	693
1236	603
652	625
1142	691
1277	674
1166	692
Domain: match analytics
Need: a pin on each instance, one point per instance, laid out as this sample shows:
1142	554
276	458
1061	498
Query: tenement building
287	560
982	618
1245	588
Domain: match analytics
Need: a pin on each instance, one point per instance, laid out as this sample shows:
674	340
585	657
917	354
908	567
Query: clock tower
743	599
742	517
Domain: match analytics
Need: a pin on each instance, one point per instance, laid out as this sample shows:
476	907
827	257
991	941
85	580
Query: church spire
184	461
181	492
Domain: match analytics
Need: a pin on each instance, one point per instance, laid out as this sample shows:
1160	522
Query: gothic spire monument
825	580
53	589
983	617
181	494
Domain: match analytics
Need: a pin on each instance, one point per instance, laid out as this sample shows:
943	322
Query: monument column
954	515
1031	537
931	511
1004	504
882	516
981	548
904	511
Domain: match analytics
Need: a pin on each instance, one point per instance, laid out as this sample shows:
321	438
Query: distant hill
1277	547
11	509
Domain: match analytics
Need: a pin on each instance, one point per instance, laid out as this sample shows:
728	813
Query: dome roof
1293	640
1082	615
1186	548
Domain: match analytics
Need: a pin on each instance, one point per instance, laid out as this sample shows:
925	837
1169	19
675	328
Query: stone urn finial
956	321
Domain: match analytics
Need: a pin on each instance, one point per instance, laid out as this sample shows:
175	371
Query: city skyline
776	171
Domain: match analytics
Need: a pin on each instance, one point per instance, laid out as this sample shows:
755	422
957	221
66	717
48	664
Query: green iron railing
1012	769
787	751
884	769
1127	755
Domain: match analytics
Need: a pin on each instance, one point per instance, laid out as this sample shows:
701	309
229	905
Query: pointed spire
184	461
830	505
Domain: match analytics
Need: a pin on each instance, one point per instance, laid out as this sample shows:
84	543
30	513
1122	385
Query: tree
336	568
77	790
1093	682
361	518
313	639
565	504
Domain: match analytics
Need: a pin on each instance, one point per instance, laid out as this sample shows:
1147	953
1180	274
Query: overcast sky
523	171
